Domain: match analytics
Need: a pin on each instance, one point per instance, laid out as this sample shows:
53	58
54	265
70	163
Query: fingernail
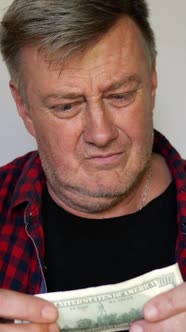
150	312
136	328
49	313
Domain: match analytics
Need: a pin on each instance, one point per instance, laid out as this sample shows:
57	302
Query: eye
123	99
62	107
66	110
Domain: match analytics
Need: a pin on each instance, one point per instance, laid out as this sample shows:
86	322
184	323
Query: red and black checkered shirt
21	231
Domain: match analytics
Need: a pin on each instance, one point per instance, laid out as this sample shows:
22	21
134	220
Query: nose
99	128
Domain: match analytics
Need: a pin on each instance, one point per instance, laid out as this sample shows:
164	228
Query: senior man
103	199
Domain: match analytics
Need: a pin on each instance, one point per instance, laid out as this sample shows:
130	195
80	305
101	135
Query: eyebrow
124	81
113	86
70	95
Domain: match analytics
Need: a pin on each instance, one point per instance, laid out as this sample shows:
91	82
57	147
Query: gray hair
61	28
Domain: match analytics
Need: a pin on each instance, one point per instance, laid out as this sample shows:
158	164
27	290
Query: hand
41	314
164	313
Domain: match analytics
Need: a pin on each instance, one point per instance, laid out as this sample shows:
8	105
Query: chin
93	205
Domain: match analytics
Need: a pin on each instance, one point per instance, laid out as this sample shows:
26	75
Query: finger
29	328
14	305
166	304
173	324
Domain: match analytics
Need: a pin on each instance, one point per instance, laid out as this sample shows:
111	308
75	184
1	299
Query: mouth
109	159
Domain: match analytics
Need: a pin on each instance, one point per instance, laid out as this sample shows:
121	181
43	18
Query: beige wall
3	6
168	20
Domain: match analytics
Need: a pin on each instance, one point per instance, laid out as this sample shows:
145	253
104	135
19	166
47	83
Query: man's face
92	118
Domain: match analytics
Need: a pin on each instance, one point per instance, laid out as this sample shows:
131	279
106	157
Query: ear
154	84
22	108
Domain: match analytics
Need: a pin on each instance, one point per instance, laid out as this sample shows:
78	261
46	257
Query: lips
108	155
106	159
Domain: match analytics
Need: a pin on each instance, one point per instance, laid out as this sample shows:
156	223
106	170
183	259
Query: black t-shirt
82	252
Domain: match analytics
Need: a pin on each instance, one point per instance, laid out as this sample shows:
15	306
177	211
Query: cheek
136	123
55	138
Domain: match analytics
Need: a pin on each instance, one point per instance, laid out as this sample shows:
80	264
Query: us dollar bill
112	307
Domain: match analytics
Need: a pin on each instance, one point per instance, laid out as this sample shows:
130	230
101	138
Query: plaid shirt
21	232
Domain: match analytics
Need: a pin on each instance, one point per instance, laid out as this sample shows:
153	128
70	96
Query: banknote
112	307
